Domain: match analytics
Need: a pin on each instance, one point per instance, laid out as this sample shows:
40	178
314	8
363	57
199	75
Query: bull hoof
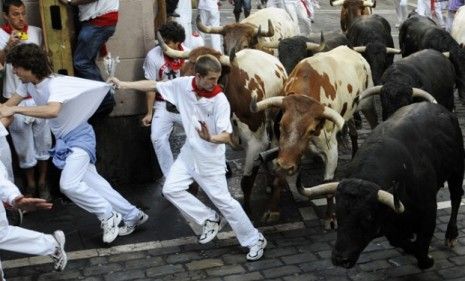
330	224
450	243
426	263
271	217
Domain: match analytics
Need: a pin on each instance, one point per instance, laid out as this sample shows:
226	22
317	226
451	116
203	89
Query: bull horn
172	53
334	116
208	29
318	190
224	60
370	92
317	47
417	92
369	3
336	2
388	199
264	104
270	44
359	49
392	50
446	54
269	33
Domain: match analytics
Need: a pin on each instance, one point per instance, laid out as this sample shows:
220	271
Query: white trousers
424	9
162	125
21	240
82	184
32	140
211	18
401	10
5	157
216	188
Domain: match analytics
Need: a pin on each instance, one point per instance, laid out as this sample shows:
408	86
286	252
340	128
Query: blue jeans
89	41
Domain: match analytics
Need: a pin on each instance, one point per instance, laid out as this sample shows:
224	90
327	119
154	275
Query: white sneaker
210	230
110	227
256	251
127	229
59	257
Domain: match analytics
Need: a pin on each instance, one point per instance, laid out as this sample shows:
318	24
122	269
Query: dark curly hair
173	31
30	57
8	3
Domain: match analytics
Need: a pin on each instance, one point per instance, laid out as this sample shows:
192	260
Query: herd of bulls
297	104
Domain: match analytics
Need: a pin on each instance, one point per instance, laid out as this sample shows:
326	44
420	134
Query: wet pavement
165	247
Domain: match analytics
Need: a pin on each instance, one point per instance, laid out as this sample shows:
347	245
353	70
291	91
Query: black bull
391	184
418	33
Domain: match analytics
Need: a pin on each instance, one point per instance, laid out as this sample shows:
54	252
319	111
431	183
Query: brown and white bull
246	74
250	31
352	9
325	87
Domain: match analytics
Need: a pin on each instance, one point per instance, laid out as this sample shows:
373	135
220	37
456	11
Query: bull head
208	29
328	113
330	188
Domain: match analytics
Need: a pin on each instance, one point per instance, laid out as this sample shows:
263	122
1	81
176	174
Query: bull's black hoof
228	171
426	263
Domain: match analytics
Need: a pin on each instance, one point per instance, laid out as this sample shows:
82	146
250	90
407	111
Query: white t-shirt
209	5
80	98
205	157
11	81
155	67
97	8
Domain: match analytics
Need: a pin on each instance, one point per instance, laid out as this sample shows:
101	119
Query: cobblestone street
298	246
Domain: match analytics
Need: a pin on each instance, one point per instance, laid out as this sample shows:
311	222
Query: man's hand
32	204
6	111
147	120
203	131
115	82
13	40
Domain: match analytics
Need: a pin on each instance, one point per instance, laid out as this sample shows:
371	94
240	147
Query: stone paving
298	247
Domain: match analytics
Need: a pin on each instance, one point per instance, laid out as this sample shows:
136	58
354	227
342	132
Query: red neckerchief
204	93
8	29
174	64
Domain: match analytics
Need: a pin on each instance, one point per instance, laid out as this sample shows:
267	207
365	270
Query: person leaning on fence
205	114
68	102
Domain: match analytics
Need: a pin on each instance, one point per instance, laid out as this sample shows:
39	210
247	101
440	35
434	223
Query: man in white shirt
68	103
205	114
21	240
210	16
159	67
31	136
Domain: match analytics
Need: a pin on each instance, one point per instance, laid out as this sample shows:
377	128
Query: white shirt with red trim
97	8
205	157
79	97
11	81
